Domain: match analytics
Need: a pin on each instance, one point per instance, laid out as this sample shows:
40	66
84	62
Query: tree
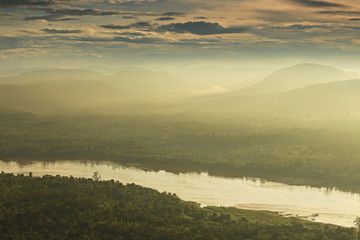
357	225
96	176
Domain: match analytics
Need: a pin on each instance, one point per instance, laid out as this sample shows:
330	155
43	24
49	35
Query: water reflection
331	205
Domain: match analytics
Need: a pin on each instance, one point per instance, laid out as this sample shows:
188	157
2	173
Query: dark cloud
354	19
79	12
24	3
141	40
156	6
136	34
322	33
66	14
200	28
165	19
141	25
50	18
113	26
200	18
301	27
90	39
138	40
134	25
60	31
343	13
129	17
314	3
174	14
147	14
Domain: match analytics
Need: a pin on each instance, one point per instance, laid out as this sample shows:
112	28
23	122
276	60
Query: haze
233	89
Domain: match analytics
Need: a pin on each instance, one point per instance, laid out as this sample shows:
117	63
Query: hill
296	76
334	98
55	96
40	76
133	85
61	90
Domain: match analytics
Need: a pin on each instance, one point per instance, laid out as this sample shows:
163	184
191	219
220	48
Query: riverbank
63	207
332	206
214	169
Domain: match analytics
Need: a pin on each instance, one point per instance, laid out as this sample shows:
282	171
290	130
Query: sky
178	33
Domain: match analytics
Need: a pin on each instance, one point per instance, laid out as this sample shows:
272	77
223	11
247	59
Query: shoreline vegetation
314	156
42	207
215	170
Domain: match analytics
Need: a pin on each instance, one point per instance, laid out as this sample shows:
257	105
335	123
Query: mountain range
299	90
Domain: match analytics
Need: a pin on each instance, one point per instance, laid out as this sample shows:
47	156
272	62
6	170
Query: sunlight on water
333	206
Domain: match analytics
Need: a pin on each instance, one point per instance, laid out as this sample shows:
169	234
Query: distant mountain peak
297	76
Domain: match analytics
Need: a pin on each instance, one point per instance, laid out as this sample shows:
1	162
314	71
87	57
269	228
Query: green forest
314	154
55	207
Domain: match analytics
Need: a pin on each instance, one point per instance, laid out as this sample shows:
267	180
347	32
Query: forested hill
70	208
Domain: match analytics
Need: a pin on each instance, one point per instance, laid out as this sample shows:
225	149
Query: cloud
134	25
147	40
165	19
314	3
129	17
147	14
200	28
60	31
141	24
140	40
174	14
66	14
113	26
343	13
138	34
162	5
24	3
137	40
197	28
80	12
50	18
301	27
166	14
264	23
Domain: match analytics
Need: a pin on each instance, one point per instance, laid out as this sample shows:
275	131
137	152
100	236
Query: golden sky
176	29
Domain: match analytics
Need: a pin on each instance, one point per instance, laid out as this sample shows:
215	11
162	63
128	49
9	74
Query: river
333	206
